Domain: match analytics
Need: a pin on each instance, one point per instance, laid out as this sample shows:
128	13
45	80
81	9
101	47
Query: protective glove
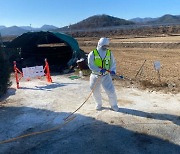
112	73
121	77
102	71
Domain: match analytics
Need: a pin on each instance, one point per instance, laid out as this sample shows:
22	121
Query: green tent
58	48
77	52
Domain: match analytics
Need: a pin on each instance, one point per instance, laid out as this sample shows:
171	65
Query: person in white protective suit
102	64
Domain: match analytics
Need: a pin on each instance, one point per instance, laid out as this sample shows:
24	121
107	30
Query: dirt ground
148	120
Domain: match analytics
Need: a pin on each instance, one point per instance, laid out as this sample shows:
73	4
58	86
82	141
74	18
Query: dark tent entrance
57	55
61	50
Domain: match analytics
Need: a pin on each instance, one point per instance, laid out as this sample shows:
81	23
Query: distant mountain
43	28
142	20
48	27
166	19
2	27
29	28
98	21
93	22
14	30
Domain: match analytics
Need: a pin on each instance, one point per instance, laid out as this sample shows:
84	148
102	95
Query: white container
80	73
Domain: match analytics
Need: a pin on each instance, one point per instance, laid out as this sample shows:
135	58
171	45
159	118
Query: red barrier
16	71
47	71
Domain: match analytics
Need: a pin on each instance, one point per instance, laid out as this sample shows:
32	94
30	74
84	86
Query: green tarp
31	40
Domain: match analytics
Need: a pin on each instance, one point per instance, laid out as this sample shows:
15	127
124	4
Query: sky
61	13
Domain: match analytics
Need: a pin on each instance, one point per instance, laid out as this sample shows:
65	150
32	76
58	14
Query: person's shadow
175	119
82	135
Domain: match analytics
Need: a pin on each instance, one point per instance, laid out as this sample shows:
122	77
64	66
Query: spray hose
85	99
68	119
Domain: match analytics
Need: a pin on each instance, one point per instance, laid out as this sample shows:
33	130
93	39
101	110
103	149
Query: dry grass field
130	54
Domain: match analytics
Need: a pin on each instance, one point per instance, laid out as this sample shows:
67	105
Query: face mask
104	47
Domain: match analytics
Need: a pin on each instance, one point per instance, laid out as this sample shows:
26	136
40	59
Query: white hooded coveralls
105	80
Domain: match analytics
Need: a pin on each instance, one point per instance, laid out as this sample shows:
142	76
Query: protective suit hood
102	41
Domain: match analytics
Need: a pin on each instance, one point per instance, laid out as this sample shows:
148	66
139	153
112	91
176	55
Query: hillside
98	21
142	20
99	25
14	30
2	27
128	31
48	27
166	19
